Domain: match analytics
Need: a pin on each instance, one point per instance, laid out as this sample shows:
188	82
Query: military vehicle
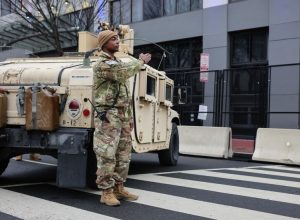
45	108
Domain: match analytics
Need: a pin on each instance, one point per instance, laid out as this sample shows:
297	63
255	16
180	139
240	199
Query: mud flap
72	162
71	170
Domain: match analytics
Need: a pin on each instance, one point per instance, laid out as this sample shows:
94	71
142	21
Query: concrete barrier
277	145
205	141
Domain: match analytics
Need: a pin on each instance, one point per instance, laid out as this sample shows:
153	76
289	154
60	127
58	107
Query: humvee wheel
3	165
170	156
91	168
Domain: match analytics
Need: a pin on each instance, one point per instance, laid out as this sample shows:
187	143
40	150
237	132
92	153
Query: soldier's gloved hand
102	116
145	57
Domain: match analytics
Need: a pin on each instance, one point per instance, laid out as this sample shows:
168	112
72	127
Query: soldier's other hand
145	57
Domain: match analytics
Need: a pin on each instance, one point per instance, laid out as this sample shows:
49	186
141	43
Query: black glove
102	116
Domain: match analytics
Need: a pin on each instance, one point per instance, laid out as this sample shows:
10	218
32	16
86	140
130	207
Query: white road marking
267	172
261	166
198	208
243	178
212	169
29	208
282	167
12	203
215	187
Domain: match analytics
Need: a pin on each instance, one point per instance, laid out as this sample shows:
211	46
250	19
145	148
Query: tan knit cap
104	36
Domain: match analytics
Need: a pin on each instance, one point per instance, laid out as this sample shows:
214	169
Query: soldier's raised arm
110	68
116	70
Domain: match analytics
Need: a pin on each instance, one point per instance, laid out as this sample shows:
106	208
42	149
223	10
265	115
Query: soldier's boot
122	193
18	158
34	157
108	198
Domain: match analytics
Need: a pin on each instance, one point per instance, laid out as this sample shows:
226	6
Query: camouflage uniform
112	140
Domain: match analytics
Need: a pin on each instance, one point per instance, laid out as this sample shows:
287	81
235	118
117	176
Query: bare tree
57	20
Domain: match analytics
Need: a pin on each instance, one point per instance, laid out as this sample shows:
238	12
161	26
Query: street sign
204	67
204	62
204	77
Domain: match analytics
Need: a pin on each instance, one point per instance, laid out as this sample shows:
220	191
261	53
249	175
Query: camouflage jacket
110	76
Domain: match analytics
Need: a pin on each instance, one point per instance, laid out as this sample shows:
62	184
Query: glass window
183	6
240	49
184	55
168	92
249	47
152	9
243	82
156	56
169	7
116	13
151	85
196	4
171	59
196	51
125	11
259	47
137	10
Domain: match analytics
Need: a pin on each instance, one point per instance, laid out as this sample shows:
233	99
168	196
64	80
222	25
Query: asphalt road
198	188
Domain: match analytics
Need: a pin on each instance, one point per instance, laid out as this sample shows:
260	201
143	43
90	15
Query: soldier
112	136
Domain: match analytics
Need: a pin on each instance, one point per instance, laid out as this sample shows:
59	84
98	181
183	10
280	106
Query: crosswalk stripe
244	178
28	207
261	166
267	172
198	208
284	168
12	203
215	187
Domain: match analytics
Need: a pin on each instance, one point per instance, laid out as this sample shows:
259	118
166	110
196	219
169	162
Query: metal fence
241	98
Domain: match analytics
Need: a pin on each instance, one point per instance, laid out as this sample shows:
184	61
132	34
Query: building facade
254	55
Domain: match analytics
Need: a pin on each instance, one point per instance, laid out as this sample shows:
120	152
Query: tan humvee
64	85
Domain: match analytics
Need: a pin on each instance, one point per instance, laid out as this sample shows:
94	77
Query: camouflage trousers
112	146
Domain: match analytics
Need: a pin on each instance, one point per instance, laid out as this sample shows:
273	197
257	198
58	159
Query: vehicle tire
3	165
91	168
170	156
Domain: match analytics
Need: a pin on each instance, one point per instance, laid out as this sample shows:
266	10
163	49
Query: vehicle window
151	85
169	92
